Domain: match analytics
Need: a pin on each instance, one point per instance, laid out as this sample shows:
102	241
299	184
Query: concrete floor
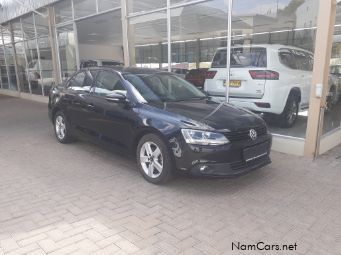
81	199
332	120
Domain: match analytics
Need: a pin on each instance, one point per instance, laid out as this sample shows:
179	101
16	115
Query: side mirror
117	97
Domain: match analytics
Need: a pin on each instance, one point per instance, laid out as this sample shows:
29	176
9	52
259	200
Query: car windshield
241	57
163	87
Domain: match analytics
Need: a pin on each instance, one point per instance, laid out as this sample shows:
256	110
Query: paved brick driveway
80	199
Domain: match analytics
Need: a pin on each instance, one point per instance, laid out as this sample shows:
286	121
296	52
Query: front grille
241	135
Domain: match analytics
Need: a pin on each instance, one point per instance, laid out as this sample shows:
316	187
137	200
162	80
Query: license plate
255	152
233	83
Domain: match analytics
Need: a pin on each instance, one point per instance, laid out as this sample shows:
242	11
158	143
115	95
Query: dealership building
43	42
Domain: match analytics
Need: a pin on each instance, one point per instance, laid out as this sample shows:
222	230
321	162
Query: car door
78	100
112	120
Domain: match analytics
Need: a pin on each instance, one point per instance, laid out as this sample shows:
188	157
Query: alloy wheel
292	113
151	159
60	127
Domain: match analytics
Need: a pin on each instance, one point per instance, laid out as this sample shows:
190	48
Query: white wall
88	51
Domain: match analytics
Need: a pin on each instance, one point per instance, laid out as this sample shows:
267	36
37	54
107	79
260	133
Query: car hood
219	116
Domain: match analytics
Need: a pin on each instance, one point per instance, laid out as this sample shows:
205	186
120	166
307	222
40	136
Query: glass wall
271	61
148	40
11	71
33	53
84	8
32	66
145	6
22	67
3	69
95	25
105	5
332	114
63	11
197	31
44	53
67	51
8	71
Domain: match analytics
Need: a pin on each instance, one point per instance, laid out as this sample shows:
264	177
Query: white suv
272	79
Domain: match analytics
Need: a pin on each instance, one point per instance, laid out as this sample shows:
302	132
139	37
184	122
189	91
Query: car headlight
203	137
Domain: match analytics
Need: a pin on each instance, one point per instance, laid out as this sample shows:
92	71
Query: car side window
287	58
76	81
302	60
108	83
82	81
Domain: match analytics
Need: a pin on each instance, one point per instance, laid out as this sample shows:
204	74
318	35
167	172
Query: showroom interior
44	42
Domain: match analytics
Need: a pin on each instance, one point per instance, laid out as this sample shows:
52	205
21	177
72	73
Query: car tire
290	113
61	128
154	159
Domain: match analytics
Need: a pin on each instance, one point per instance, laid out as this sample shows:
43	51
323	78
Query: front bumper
233	169
250	104
223	161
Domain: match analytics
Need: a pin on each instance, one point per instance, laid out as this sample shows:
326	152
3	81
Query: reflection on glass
42	24
9	56
6	34
63	11
16	30
22	67
197	31
28	26
148	37
67	53
146	5
47	79
332	114
84	8
102	46
104	5
33	67
271	62
3	69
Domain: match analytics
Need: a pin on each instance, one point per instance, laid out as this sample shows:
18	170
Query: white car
270	78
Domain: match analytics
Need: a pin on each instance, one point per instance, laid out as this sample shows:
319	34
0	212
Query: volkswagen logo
253	134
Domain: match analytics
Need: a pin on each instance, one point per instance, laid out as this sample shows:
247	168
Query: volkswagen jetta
165	121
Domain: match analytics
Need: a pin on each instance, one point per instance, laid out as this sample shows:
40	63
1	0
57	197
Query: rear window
241	57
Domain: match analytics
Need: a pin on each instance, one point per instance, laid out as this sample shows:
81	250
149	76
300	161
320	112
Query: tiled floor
81	199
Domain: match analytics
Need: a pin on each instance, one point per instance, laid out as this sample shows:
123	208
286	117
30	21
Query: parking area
81	199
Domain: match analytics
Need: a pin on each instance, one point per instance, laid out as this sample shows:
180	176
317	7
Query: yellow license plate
233	83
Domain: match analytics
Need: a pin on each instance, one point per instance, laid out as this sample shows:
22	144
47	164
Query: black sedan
162	119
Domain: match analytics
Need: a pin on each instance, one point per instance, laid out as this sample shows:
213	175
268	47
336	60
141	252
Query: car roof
269	46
